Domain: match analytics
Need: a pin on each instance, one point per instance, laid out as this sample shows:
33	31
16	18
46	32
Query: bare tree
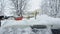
51	7
19	6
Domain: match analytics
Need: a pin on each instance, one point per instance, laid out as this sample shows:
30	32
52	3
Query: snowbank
41	20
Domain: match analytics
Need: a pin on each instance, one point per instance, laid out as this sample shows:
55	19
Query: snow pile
14	26
27	30
40	20
44	19
15	30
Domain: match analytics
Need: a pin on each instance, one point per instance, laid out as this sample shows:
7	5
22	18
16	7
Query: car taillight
19	18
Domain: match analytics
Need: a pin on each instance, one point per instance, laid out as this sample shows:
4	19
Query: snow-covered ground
40	20
23	26
27	30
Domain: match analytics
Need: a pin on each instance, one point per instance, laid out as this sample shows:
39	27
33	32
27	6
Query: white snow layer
40	20
13	26
27	30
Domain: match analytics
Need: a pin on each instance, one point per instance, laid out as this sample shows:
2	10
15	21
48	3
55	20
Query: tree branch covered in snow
51	7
